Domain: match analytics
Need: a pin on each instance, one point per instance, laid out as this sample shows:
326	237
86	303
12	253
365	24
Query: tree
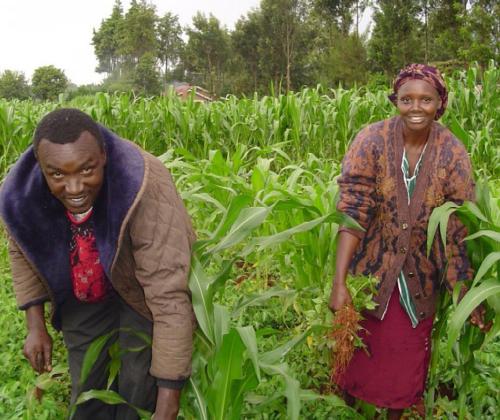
344	62
48	82
122	40
13	85
139	32
396	39
444	20
280	45
106	40
207	52
146	76
339	11
245	41
481	32
335	55
170	43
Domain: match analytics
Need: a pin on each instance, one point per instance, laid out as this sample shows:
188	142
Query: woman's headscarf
428	74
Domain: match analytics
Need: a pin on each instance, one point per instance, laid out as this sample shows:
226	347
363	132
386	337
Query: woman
394	174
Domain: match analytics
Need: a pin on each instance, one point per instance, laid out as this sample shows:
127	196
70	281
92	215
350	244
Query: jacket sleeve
28	288
460	188
162	236
357	182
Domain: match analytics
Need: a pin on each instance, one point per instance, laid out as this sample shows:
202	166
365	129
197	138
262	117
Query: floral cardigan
372	191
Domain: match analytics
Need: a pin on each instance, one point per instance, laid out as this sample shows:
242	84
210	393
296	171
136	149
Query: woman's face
418	102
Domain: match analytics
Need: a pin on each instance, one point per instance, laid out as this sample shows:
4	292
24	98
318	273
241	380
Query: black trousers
82	323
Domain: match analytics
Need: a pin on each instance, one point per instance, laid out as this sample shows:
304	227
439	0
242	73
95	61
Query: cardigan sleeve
162	236
28	288
357	181
461	188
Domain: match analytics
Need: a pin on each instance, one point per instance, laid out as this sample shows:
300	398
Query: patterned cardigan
372	191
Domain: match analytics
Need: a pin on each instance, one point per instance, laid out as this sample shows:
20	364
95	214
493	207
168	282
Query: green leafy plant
227	363
456	341
346	322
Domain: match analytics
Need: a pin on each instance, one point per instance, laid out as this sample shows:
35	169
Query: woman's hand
346	246
477	315
339	296
477	319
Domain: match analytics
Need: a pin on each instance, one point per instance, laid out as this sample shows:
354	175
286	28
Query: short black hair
65	125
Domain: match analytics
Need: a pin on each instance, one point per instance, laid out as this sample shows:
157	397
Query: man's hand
339	296
477	319
38	344
167	404
38	350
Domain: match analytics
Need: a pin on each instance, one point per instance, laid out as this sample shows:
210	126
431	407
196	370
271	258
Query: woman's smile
418	103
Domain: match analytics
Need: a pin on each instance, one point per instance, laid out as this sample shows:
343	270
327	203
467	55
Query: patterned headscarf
430	75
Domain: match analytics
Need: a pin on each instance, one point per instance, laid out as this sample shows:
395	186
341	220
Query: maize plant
456	342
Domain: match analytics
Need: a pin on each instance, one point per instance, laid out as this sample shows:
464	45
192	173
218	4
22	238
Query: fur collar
37	221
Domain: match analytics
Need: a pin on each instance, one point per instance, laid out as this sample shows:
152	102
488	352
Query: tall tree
107	39
343	13
397	35
337	55
170	43
13	85
338	11
359	8
245	41
146	76
444	20
481	31
139	32
282	31
344	62
48	82
207	52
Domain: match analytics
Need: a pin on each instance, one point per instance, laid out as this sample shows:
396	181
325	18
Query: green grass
18	378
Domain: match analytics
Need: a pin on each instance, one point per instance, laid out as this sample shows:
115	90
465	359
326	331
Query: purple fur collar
38	223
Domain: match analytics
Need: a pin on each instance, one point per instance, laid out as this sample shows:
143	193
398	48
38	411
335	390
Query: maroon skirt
393	375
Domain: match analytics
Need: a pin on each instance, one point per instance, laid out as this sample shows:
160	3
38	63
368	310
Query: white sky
36	33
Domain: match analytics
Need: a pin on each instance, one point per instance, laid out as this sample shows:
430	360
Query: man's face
74	171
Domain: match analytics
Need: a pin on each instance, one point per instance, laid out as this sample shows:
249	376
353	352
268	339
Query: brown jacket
372	191
148	267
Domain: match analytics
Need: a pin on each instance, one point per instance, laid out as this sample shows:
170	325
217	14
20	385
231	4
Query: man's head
70	151
65	126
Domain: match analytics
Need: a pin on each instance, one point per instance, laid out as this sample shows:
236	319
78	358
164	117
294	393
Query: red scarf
87	274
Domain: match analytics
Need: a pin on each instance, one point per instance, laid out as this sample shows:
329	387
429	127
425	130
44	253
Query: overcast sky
36	33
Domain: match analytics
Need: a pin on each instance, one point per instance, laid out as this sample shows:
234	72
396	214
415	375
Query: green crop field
258	176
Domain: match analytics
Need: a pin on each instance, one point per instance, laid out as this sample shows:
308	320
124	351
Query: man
97	228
